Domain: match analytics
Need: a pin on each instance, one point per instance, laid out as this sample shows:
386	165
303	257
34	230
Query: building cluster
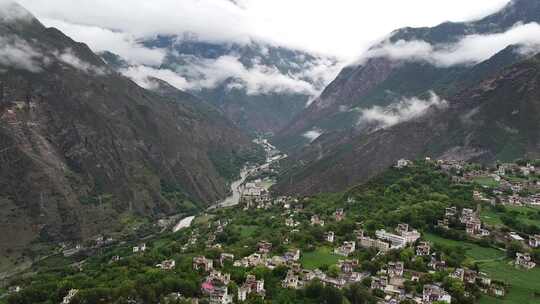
391	281
216	288
469	218
90	248
167	265
524	260
261	258
298	278
251	285
403	163
385	241
216	284
11	111
513	183
481	279
255	195
473	224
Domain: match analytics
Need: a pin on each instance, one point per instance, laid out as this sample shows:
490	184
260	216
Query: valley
418	230
202	152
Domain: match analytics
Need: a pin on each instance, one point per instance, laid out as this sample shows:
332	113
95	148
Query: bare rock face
82	146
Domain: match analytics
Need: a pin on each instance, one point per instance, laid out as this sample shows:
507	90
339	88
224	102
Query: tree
358	294
333	271
332	295
513	248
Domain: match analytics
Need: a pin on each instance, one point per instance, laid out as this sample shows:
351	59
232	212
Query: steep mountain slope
497	119
83	147
258	86
382	80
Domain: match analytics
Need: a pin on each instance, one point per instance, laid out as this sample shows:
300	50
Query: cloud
321	72
17	53
470	49
11	11
342	28
197	74
69	58
101	39
405	110
313	134
259	79
142	76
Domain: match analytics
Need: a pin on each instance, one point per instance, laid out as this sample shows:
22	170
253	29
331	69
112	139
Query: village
390	250
390	279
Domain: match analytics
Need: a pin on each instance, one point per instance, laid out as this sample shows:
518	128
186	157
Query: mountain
497	119
381	80
258	86
364	119
85	150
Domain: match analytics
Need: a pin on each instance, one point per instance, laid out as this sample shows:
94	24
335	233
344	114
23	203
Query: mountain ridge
84	148
347	152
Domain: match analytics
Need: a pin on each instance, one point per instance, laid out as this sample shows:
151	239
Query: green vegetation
521	219
473	251
417	195
229	163
486	181
525	287
321	257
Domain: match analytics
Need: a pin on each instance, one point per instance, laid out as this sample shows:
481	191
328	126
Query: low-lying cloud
258	79
17	53
197	74
404	110
470	49
142	75
102	39
313	134
71	59
11	11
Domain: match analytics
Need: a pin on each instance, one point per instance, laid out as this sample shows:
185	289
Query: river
236	191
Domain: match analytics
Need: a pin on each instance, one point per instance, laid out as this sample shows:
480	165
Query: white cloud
69	58
406	109
11	11
142	74
258	79
313	134
197	74
337	27
470	49
101	39
17	53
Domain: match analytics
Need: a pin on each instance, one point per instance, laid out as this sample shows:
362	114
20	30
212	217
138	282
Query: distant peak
524	6
11	11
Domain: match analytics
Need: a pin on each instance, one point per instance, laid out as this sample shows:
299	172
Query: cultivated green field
473	251
487	181
523	283
318	258
527	215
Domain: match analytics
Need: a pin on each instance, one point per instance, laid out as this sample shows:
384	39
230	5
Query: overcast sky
343	28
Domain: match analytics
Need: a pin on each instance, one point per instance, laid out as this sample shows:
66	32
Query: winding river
236	192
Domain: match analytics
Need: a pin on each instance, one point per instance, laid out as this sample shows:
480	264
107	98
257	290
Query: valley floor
447	237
